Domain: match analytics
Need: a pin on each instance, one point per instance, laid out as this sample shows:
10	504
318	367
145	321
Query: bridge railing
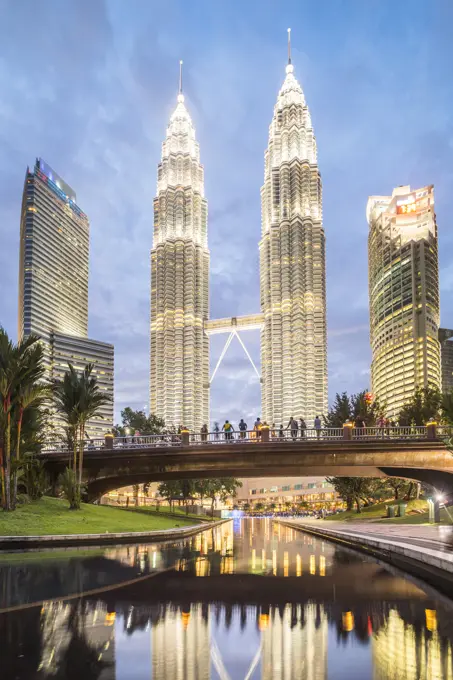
369	433
284	436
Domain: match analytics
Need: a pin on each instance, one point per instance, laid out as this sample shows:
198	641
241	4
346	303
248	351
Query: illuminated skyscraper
404	295
292	265
179	385
53	283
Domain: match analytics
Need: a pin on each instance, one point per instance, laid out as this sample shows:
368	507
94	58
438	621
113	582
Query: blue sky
89	85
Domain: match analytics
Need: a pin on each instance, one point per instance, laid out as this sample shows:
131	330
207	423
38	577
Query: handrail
170	440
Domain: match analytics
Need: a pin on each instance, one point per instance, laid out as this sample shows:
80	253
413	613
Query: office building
53	283
403	295
446	356
292	265
179	371
315	491
79	352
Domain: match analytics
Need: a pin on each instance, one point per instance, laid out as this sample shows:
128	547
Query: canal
250	599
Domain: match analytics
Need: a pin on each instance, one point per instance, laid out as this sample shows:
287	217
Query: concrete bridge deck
109	468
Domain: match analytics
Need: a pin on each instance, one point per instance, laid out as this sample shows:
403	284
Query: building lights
292	265
179	380
403	295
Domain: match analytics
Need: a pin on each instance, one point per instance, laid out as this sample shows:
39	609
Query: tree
78	398
397	486
21	370
353	407
352	490
425	404
340	411
187	490
447	407
138	421
259	507
170	490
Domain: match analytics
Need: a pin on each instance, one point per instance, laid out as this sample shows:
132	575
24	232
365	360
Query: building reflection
77	638
403	651
295	651
277	591
180	644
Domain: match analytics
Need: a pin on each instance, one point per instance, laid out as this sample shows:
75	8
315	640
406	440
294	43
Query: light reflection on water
248	600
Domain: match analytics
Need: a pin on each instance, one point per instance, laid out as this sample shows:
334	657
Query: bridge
416	453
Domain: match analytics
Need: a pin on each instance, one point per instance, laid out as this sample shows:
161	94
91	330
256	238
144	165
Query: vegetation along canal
246	600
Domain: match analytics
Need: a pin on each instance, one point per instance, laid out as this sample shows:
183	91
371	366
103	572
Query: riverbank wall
10	543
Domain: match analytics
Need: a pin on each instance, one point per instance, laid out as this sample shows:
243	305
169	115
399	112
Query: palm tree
20	371
67	397
78	398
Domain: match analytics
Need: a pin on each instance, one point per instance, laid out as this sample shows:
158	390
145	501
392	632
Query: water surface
251	599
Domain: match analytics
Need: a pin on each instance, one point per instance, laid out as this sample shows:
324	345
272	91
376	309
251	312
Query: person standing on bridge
303	427
293	425
204	433
216	431
242	428
318	426
228	429
257	428
281	433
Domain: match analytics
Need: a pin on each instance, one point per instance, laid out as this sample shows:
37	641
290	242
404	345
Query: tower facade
54	253
403	277
292	265
53	285
179	384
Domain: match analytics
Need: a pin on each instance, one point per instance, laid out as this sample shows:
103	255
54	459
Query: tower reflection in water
253	600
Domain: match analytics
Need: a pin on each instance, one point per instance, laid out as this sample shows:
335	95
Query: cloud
90	88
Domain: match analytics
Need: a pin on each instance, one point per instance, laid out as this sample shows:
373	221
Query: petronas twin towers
292	273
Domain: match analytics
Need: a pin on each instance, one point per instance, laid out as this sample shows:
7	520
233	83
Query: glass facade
403	295
53	283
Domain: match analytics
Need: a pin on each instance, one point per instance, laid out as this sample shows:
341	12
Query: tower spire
289	46
180	76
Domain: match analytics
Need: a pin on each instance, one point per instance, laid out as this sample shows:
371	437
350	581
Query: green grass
52	516
151	510
421	519
379	512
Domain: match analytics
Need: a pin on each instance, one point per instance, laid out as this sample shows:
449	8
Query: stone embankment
57	540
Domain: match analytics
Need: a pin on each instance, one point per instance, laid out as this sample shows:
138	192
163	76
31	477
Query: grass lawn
379	512
151	510
445	518
52	516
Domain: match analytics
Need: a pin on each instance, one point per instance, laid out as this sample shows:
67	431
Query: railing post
108	440
265	433
347	430
185	437
431	430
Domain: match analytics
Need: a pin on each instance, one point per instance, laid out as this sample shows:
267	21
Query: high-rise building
446	356
53	283
292	265
79	352
54	253
179	381
404	295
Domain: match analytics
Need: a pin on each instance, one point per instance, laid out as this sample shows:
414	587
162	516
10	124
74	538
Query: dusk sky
89	85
